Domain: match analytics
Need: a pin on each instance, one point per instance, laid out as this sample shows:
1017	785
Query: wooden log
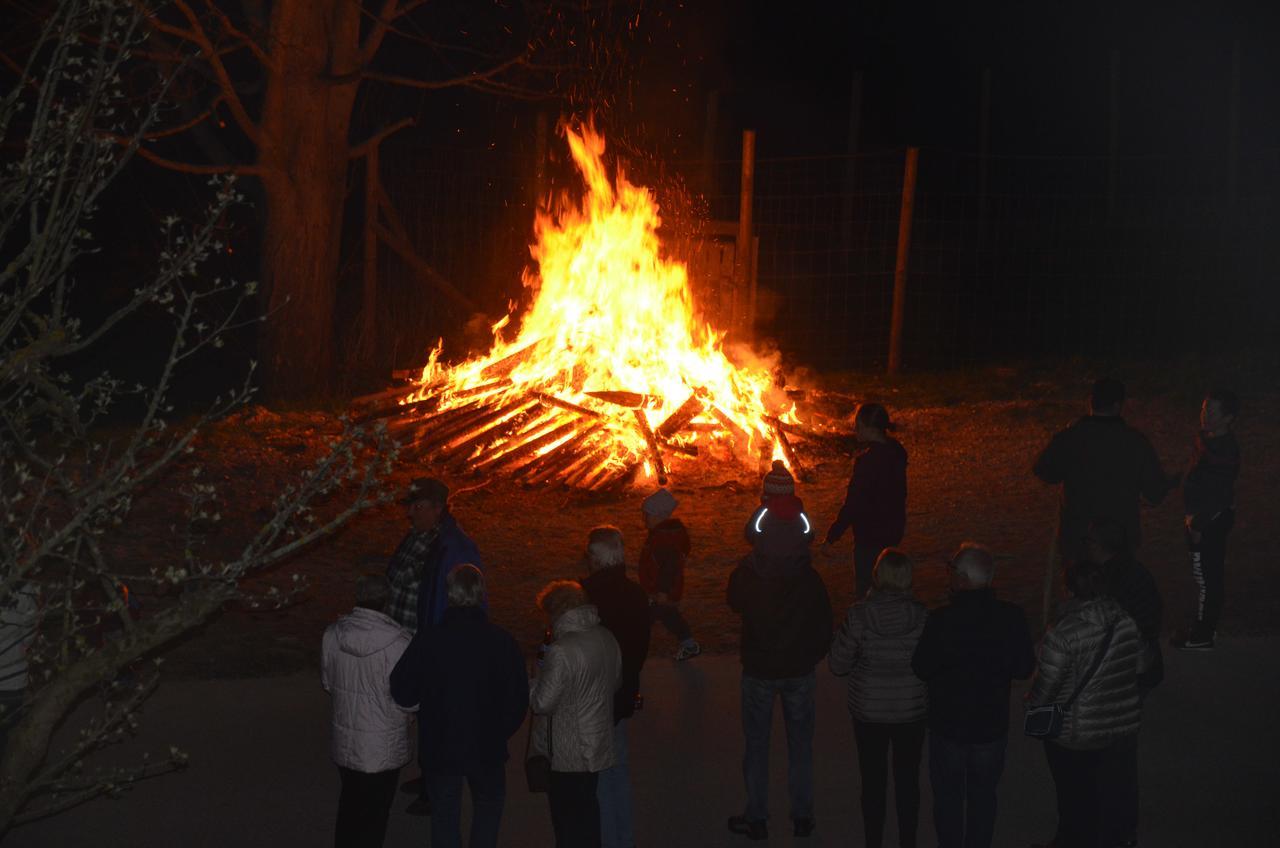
598	475
596	461
553	462
685	413
630	400
729	424
797	430
552	400
377	398
792	459
525	450
683	450
483	388
445	428
469	437
620	481
508	363
396	408
531	425
655	452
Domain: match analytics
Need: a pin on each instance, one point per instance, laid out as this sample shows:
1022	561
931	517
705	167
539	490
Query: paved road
260	776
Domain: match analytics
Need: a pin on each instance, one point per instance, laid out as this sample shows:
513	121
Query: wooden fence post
900	265
743	248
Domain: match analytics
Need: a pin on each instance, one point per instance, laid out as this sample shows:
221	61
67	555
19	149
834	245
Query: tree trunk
303	152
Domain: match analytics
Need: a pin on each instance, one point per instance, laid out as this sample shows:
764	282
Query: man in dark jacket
1209	498
434	545
786	631
468	677
624	610
970	651
1104	466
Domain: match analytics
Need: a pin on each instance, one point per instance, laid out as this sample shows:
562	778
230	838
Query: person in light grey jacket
888	703
574	692
1086	758
369	738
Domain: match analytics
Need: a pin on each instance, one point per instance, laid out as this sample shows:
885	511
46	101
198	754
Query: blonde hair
893	571
560	596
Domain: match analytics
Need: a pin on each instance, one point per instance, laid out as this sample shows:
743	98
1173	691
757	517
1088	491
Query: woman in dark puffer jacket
887	701
1084	759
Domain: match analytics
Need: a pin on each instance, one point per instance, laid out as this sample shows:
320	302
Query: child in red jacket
662	560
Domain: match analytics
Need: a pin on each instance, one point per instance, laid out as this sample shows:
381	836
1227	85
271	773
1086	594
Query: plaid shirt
405	573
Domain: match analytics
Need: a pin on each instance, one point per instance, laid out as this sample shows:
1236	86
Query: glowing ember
609	360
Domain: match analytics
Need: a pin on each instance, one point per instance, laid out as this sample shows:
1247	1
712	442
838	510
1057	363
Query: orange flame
610	313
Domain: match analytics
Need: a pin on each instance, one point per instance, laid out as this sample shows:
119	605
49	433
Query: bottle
547	639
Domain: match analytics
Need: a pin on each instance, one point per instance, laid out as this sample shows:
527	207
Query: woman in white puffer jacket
370	733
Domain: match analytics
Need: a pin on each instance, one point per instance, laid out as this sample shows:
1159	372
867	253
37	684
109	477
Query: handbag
537	767
1046	722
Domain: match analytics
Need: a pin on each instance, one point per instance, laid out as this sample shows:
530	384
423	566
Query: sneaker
688	650
804	827
1192	641
419	807
754	830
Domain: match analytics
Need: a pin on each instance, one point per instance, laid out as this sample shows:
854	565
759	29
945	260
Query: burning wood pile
610	378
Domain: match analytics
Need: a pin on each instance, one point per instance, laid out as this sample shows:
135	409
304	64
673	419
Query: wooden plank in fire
685	413
508	363
675	447
552	463
630	400
376	399
396	408
463	442
526	449
552	400
449	424
729	424
797	430
792	459
594	462
655	451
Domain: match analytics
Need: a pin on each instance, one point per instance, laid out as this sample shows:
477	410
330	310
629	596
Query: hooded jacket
780	535
581	671
1108	707
875	504
874	648
370	733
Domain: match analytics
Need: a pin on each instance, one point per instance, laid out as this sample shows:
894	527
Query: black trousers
1091	799
1208	567
575	812
874	743
865	555
363	807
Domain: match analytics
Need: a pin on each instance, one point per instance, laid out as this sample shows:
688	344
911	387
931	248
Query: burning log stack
611	377
537	438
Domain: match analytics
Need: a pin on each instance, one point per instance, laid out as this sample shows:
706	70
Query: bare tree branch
363	148
199	37
470	79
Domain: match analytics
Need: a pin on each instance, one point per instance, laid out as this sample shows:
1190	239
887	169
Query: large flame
610	314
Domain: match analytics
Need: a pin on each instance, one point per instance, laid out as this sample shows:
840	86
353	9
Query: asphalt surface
259	772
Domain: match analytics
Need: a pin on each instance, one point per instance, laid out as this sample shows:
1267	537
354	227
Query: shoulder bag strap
1093	669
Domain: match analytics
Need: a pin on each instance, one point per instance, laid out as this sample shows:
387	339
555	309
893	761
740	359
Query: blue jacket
451	547
468	677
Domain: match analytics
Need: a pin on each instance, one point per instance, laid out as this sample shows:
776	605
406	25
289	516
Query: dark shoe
413	787
419	807
1193	641
742	826
804	827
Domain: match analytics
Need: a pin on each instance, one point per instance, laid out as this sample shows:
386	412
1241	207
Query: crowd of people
419	649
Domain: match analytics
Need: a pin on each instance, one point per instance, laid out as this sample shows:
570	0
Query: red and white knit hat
779	481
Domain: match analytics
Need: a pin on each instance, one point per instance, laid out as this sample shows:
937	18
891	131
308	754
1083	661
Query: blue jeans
613	791
798	713
488	795
964	778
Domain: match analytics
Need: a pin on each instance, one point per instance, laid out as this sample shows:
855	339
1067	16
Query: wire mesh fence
1010	256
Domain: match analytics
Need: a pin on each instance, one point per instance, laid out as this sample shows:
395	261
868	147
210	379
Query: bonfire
608	377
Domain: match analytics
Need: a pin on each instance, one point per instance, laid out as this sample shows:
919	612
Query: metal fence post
900	265
742	250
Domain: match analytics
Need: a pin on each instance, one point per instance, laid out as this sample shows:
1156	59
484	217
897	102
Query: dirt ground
971	437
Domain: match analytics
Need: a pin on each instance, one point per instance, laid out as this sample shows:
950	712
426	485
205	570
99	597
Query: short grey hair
373	591
976	563
465	584
604	547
